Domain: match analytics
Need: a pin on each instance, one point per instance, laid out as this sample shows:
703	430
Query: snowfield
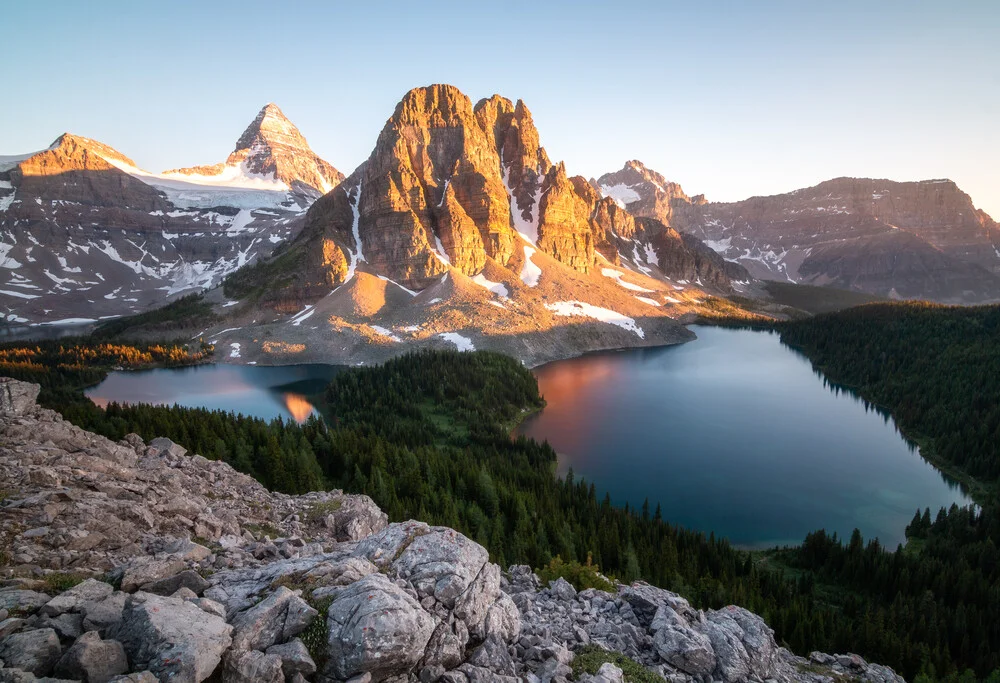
460	342
530	273
616	275
605	315
497	288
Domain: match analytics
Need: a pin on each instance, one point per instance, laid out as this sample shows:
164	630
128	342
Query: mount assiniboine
85	234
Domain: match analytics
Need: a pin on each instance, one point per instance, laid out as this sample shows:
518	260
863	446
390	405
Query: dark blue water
258	391
734	433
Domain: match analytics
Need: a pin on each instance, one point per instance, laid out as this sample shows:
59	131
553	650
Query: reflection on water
258	391
299	407
735	433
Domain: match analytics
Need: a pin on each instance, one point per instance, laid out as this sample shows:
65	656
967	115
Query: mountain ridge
844	232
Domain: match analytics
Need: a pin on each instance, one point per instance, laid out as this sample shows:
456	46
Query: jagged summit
641	190
272	148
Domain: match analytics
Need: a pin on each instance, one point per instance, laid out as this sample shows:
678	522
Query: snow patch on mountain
616	275
530	272
497	288
460	342
605	315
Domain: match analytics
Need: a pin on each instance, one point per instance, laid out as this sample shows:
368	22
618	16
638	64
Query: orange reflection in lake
298	406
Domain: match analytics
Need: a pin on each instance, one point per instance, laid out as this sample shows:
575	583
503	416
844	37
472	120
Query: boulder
173	639
376	627
439	563
76	597
11	625
32	651
279	617
145	570
356	518
295	658
139	677
164	447
251	666
189	579
92	660
103	614
686	649
14	599
17	398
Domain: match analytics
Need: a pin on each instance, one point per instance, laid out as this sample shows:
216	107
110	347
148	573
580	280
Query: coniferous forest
428	437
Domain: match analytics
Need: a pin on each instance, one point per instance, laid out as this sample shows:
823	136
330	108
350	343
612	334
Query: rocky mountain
271	150
459	224
898	239
184	570
85	234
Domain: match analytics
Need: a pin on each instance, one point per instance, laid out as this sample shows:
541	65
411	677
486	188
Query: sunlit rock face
452	184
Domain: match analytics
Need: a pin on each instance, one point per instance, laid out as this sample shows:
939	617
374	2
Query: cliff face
402	602
452	184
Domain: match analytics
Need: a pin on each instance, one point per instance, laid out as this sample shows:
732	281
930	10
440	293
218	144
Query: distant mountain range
909	240
458	230
86	234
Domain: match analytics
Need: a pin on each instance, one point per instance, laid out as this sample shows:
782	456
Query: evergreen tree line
932	608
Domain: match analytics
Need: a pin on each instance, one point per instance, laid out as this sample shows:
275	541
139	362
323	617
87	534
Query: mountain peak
271	127
272	147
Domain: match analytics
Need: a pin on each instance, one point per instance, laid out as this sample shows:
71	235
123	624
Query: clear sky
730	99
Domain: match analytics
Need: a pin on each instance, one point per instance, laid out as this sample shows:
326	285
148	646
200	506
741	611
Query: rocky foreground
193	571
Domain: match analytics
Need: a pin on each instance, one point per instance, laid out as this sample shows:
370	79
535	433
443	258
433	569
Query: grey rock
14	599
68	626
73	599
376	627
144	570
276	619
138	677
33	651
92	660
493	655
686	649
101	615
562	589
17	398
11	625
189	579
295	658
251	666
172	638
164	447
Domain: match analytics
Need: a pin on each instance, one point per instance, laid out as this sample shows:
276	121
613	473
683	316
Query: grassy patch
317	633
264	528
58	582
590	658
320	511
582	576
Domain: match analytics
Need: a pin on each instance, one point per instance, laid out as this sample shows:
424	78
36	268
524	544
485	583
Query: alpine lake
733	433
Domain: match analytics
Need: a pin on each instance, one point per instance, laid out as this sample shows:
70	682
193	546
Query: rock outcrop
298	588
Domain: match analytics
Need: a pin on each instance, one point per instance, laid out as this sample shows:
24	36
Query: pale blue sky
730	99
